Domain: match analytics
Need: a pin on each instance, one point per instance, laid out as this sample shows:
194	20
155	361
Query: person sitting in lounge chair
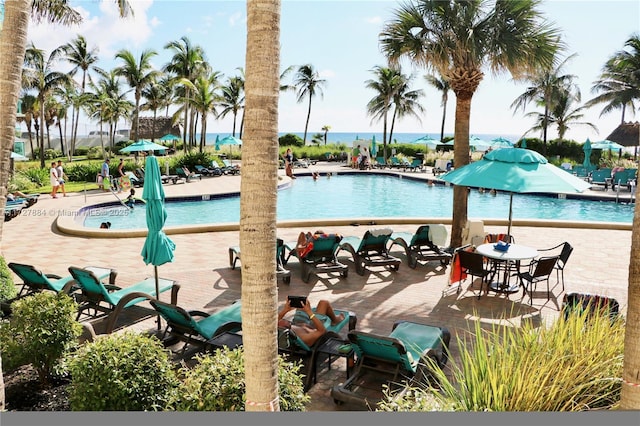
310	329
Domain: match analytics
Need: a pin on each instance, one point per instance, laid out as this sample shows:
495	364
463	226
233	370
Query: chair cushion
208	326
416	339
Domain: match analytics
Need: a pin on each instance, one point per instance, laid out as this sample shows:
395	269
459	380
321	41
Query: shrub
95	152
81	150
38	176
82	172
191	159
21	182
41	329
216	383
7	287
574	365
290	140
51	154
121	372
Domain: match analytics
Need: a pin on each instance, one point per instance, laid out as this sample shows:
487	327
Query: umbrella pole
155	273
510	214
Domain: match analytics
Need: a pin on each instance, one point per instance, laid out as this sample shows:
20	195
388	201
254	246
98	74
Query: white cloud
236	18
373	20
327	74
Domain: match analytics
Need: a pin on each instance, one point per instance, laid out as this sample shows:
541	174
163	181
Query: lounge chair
370	250
234	258
601	177
183	172
416	164
208	172
389	360
380	163
625	178
34	280
421	246
196	327
96	296
230	169
441	166
135	181
317	257
289	343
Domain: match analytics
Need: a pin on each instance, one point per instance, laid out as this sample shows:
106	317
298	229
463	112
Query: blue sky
340	39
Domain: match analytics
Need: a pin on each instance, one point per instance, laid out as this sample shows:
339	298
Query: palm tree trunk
306	125
393	123
61	138
13	42
444	117
460	158
384	136
258	196
630	396
42	125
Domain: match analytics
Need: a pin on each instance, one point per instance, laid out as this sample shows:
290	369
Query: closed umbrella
374	147
158	248
515	170
587	155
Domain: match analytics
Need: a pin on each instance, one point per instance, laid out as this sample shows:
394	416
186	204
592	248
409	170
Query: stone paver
599	264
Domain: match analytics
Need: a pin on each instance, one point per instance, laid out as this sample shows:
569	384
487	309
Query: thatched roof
162	127
627	134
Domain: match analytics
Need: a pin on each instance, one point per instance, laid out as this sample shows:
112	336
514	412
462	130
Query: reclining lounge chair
390	359
420	246
281	271
370	250
316	255
183	325
96	296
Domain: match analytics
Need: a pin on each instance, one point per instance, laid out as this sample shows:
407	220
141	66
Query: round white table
513	255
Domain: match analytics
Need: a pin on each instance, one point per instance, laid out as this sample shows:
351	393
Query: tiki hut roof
627	134
150	130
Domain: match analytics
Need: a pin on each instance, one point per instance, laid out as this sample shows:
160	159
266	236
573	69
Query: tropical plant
155	95
385	86
441	85
458	39
405	102
258	206
7	287
325	131
308	84
232	99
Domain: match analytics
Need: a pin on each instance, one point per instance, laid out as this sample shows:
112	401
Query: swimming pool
363	196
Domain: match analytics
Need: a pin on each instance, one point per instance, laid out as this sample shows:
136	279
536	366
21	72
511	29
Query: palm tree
325	130
204	100
308	83
139	74
547	85
186	63
29	111
458	39
441	85
618	85
258	197
109	103
232	99
563	115
405	102
385	86
155	95
40	76
83	59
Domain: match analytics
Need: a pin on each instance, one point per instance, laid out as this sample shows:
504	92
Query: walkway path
599	264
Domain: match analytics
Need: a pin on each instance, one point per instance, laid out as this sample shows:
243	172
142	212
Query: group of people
57	178
361	159
105	177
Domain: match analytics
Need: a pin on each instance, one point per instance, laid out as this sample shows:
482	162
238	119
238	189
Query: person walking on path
55	182
104	175
62	177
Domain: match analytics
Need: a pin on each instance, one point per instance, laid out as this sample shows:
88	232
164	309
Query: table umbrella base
501	288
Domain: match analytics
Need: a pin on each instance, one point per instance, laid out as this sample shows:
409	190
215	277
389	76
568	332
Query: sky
340	40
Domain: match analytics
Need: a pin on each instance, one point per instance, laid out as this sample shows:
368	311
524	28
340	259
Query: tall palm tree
232	99
458	40
41	77
308	83
83	59
405	102
563	115
109	102
139	74
28	109
258	196
186	63
547	85
204	101
155	95
325	130
385	85
441	85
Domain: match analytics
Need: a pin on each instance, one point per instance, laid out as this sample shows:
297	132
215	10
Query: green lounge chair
601	177
370	250
187	175
208	172
183	325
234	258
96	296
419	247
416	164
380	163
402	355
321	259
229	168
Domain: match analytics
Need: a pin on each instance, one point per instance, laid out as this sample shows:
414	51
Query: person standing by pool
104	174
288	163
355	156
62	177
55	182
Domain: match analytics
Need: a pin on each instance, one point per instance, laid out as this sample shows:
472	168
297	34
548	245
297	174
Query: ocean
349	137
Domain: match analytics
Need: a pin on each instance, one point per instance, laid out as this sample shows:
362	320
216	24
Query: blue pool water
363	196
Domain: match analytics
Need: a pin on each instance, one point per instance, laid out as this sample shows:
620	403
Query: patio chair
625	178
316	254
96	296
196	327
416	164
290	344
230	169
188	175
601	177
472	263
380	163
539	270
135	181
392	359
370	250
281	271
473	233
420	246
565	252
208	172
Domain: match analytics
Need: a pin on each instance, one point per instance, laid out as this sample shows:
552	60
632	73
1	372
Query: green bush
81	150
21	182
51	154
7	287
290	140
574	365
38	176
121	372
82	172
216	383
41	329
95	153
191	159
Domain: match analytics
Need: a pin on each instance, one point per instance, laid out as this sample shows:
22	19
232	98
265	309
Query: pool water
364	196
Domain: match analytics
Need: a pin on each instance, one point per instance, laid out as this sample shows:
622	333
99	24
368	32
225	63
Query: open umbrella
143	145
475	144
228	140
501	142
515	170
170	137
428	141
158	248
587	154
606	144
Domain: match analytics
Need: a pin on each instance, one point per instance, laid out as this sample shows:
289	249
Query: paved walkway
599	264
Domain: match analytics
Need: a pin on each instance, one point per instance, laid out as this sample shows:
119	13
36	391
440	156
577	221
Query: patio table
510	258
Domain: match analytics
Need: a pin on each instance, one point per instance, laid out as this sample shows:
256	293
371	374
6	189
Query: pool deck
598	265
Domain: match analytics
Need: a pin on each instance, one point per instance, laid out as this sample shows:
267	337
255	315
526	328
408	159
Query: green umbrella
217	142
374	147
587	154
523	143
606	145
143	145
501	143
228	140
515	170
158	248
170	137
430	142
